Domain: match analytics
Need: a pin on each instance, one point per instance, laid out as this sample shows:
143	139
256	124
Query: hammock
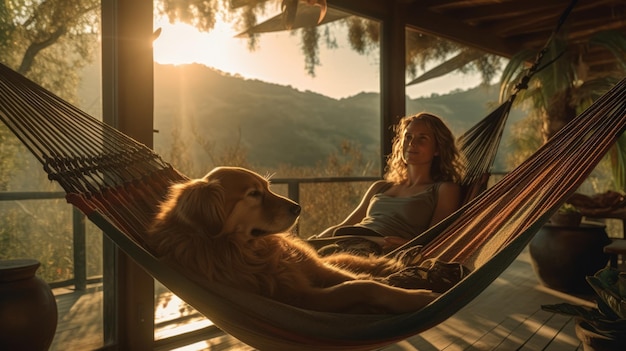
118	183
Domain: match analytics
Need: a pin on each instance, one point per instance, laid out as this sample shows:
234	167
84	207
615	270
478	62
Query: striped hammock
118	183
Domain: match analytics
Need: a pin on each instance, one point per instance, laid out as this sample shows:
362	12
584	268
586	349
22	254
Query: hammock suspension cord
480	143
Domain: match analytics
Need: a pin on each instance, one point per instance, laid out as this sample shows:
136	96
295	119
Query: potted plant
604	327
568	216
567	249
563	255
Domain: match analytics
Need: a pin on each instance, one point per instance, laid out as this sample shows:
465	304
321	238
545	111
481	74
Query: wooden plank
79	324
496	335
506	316
566	338
548	332
524	331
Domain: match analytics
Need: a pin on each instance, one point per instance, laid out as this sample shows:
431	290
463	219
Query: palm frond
618	163
613	41
513	72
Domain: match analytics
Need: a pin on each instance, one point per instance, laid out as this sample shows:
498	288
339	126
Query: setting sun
182	43
279	59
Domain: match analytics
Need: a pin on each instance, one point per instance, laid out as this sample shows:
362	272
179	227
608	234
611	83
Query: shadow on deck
506	316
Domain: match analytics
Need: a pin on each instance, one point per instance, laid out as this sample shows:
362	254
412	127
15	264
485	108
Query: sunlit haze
279	59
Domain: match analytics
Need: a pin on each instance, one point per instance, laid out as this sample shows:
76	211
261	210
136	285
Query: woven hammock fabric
118	183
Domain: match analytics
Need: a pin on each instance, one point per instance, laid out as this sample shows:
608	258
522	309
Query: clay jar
28	310
562	256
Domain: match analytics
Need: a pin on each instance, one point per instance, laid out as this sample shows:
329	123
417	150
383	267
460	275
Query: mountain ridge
277	124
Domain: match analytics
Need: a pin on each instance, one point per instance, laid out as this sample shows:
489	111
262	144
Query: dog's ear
200	204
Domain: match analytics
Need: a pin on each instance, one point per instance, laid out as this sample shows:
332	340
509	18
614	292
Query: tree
37	35
48	41
35	39
363	34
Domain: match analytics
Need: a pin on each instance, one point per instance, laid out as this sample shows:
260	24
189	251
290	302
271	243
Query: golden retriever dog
229	227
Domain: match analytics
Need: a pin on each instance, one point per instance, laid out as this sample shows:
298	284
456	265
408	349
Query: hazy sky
279	60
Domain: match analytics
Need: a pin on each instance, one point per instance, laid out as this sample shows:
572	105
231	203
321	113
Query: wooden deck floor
506	316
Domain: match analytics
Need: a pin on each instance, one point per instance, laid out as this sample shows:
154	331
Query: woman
421	186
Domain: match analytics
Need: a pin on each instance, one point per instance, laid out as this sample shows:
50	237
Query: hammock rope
119	187
578	147
480	143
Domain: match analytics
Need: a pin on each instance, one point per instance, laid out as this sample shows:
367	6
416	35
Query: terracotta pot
562	256
28	310
567	219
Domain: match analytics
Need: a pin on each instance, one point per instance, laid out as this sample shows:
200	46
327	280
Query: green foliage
49	41
524	140
618	161
280	125
9	146
39	229
42	229
563	86
363	34
36	37
200	14
310	48
326	204
568	208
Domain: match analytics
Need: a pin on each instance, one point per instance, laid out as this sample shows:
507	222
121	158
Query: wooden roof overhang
502	27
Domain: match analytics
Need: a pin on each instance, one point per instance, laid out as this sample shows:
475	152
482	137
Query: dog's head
230	200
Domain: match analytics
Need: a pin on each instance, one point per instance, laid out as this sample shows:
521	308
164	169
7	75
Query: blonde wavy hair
448	166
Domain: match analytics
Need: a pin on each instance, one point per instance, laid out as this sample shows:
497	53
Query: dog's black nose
295	209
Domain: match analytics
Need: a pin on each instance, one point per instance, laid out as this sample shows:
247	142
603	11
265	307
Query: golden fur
229	227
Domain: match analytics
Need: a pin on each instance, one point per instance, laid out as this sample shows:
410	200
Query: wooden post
127	96
392	74
80	248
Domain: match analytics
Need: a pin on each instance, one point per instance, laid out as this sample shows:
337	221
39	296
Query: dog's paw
411	256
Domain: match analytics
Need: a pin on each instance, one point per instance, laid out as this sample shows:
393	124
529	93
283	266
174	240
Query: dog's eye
255	193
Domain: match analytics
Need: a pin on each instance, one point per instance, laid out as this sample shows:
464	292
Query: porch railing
80	280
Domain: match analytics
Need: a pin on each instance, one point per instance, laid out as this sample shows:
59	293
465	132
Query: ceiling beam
424	20
503	11
378	10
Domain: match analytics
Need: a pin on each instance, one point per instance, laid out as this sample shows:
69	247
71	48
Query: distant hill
281	125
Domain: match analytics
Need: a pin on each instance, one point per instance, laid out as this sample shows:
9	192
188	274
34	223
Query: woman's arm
359	212
448	201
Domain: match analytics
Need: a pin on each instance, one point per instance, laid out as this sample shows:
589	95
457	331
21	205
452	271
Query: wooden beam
424	20
371	9
392	74
503	11
127	97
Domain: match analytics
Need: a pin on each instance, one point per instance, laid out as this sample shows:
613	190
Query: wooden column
127	97
392	74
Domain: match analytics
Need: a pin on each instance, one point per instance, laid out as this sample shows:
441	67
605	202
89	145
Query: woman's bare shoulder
449	190
380	185
449	187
